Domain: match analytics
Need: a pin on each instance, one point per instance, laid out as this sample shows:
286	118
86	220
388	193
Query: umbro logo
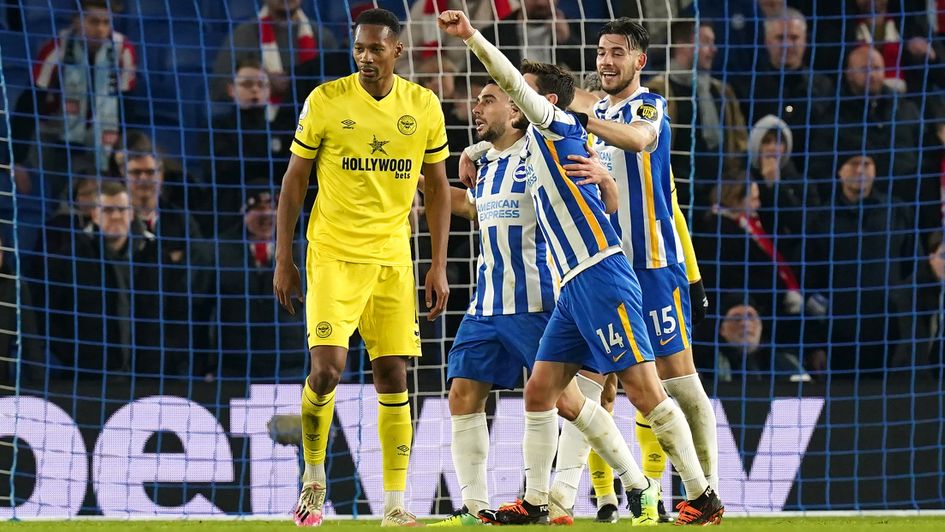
348	123
403	450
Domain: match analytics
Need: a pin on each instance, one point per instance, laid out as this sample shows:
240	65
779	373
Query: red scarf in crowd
261	253
940	16
432	8
304	41
752	226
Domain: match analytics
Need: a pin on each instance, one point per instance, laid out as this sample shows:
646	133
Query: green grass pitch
787	524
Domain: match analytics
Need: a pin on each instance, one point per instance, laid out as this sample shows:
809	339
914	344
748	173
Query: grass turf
792	524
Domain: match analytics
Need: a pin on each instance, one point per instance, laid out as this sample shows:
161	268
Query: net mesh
141	380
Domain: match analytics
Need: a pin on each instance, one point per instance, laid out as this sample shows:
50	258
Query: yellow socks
396	436
651	454
317	413
602	476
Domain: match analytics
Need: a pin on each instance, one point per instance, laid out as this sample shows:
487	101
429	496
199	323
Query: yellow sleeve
692	266
437	148
308	134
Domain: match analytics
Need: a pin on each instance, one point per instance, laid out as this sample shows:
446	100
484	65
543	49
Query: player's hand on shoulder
455	23
590	168
287	284
467	171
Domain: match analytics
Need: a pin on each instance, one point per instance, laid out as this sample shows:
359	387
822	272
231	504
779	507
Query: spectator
426	39
749	259
744	351
16	328
877	121
741	28
182	255
656	16
902	38
78	100
438	75
932	194
104	301
918	307
250	142
175	187
784	86
258	338
279	30
538	31
711	111
857	251
71	218
783	192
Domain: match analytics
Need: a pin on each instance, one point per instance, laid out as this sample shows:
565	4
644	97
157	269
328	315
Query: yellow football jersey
368	158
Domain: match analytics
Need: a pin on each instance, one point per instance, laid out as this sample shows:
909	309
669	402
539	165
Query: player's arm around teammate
630	125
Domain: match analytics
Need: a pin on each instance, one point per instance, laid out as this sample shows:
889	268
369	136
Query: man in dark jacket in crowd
104	299
258	338
879	121
250	142
857	251
783	84
184	259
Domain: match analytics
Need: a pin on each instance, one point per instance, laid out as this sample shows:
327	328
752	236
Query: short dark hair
379	17
683	32
111	187
248	62
637	36
552	79
115	6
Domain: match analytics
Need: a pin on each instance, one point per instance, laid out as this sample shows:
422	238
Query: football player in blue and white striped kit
599	306
633	138
515	291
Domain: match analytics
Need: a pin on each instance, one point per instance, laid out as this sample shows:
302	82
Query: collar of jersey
611	111
367	95
516	148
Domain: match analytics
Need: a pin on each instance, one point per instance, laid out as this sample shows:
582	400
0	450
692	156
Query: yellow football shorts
379	301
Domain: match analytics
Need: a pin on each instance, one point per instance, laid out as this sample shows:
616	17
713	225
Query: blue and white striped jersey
571	217
514	275
644	219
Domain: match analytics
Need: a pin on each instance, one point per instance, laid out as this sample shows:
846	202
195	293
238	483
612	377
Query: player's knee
390	374
538	396
465	400
607	397
570	406
324	378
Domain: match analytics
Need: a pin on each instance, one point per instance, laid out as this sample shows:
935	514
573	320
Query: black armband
582	118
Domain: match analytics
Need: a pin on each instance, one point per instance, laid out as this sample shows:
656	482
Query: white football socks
470	449
314	473
695	405
392	500
602	433
671	429
538	447
573	449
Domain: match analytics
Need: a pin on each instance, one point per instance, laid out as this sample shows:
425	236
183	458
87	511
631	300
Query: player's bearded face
491	113
617	64
519	120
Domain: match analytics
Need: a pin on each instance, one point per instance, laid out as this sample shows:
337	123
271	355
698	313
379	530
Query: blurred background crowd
149	141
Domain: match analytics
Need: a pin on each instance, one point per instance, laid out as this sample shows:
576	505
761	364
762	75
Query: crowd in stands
808	152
